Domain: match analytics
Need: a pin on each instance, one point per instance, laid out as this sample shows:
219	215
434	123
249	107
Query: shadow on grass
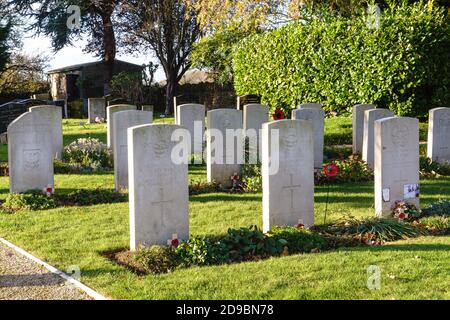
401	247
215	197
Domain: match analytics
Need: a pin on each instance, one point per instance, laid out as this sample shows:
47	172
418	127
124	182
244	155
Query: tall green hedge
404	65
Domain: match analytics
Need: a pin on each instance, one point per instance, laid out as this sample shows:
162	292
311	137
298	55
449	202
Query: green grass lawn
68	236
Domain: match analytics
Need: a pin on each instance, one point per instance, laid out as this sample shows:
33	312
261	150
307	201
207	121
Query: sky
75	55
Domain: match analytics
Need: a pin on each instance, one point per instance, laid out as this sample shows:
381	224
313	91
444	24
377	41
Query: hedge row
403	65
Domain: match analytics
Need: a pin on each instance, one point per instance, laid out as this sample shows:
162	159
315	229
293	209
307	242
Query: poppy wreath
331	170
279	114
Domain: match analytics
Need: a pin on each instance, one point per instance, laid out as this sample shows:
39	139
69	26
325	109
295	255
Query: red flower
49	189
300	226
175	243
331	170
402	216
279	114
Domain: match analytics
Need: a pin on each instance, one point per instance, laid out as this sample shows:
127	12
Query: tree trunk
170	93
109	54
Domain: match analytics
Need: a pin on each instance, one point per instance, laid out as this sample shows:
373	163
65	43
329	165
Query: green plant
441	208
156	259
33	200
201	187
436	224
371	231
298	240
405	62
250	243
352	169
90	153
202	252
61	167
4	169
252	178
84	197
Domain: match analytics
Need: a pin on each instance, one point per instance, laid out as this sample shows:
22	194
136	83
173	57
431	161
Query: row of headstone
158	186
34	141
439	135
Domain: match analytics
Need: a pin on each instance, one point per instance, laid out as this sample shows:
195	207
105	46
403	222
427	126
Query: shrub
156	259
436	224
404	65
250	243
4	169
61	167
85	197
33	200
352	169
441	208
89	153
252	178
372	231
298	240
202	252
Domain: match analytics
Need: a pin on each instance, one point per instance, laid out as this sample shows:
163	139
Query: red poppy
49	189
300	226
279	114
175	243
402	216
331	170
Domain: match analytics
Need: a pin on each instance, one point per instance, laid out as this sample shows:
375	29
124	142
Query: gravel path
23	279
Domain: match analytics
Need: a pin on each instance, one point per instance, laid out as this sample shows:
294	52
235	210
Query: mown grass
67	236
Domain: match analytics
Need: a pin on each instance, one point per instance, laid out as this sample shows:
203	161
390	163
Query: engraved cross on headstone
163	203
291	188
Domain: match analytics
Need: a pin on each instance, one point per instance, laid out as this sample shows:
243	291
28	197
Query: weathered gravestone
370	116
96	108
30	153
396	163
192	117
317	118
224	150
310	106
254	117
247	99
110	114
288	189
358	126
158	187
439	135
122	121
54	115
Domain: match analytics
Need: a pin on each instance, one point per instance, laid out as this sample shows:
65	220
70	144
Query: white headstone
254	117
310	106
358	126
439	135
192	117
110	114
96	108
317	118
370	116
158	187
122	121
396	163
30	153
222	159
288	193
54	113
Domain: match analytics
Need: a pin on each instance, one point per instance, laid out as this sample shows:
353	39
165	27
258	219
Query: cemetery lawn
80	236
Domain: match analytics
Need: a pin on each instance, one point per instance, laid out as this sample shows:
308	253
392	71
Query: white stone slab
370	116
396	163
122	121
311	106
358	126
255	115
30	153
158	187
439	135
288	193
96	108
110	114
222	160
192	117
317	118
54	114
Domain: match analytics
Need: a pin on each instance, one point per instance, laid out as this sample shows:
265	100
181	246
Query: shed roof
80	66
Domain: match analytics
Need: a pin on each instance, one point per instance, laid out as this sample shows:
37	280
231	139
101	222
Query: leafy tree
53	19
169	28
24	74
4	48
